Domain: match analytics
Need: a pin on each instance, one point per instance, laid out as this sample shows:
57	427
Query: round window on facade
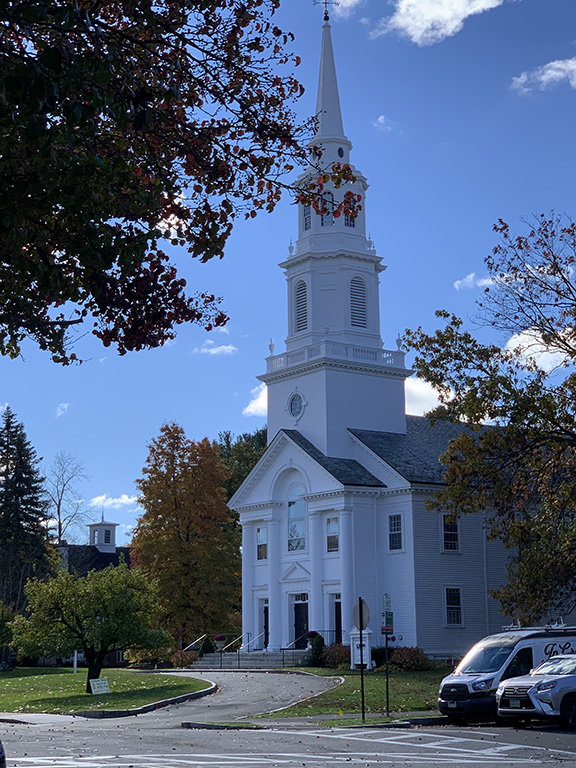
340	152
296	405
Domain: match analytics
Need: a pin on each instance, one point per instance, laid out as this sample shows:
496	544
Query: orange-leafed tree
187	538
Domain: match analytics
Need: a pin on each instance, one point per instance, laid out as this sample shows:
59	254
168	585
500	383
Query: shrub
379	655
336	656
206	646
409	659
183	658
148	657
318	645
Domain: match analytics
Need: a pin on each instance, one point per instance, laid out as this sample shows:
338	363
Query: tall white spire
328	110
329	136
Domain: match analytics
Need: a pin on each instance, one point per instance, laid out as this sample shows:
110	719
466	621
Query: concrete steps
251	660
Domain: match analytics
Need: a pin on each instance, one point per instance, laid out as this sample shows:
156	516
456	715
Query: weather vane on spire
326	3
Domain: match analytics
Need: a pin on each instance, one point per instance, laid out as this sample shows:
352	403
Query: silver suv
549	691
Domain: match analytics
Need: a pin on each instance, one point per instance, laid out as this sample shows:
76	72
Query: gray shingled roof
346	471
85	557
414	455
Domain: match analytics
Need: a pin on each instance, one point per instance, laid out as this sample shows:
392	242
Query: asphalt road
157	740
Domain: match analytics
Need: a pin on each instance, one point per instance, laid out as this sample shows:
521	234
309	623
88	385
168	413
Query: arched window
358	313
301	306
327	219
296	519
107	536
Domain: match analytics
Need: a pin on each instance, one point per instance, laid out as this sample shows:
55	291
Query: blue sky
460	112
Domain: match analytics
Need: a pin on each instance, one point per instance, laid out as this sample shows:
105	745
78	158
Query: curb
221	727
98	714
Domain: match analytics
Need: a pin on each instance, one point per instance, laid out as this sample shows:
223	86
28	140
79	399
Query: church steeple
335	373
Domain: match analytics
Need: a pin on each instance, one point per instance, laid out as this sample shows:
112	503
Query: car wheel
568	712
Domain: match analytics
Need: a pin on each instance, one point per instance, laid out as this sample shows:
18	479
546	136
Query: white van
469	692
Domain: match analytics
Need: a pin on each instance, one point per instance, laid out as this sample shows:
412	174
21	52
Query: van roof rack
553	625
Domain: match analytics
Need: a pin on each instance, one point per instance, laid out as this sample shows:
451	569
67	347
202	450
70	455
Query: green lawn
45	689
409	692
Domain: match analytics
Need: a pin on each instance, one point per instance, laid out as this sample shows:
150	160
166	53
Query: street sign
387	623
365	614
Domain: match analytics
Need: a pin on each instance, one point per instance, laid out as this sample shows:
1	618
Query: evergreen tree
240	456
186	539
23	538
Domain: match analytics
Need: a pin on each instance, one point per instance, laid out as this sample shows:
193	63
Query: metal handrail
198	640
287	647
254	640
234	641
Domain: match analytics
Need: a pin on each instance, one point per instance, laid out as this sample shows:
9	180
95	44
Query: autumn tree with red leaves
123	124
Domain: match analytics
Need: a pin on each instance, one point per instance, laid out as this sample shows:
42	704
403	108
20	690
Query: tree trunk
95	662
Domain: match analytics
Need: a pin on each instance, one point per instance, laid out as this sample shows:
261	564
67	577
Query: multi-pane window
394	532
453	603
296	519
301	306
262	543
327	218
358	303
349	221
107	536
450	534
307	218
332	534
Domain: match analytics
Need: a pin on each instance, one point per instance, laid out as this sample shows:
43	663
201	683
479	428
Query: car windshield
484	657
556	666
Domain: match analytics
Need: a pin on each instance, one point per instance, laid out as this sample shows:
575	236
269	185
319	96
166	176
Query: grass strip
409	692
60	691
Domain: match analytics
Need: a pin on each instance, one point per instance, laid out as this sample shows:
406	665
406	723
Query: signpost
387	629
361	616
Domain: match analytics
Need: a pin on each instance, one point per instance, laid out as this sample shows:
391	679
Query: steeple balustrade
336	351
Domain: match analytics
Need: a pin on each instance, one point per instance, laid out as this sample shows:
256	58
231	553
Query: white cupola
103	535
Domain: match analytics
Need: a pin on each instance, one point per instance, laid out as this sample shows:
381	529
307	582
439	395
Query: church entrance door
337	621
266	626
300	624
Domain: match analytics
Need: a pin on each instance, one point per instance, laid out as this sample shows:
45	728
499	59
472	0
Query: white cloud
383	123
425	22
547	76
113	502
210	348
258	405
3	407
345	7
420	397
61	410
531	347
472	281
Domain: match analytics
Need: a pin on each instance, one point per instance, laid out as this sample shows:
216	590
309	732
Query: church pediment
284	454
295	572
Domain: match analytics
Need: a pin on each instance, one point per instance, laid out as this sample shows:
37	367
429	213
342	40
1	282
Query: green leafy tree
521	469
186	539
123	123
240	456
109	610
6	617
24	548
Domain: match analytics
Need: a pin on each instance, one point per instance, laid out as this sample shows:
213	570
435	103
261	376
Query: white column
248	557
346	571
315	621
274	594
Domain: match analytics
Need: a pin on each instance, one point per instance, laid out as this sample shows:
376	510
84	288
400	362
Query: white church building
336	507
